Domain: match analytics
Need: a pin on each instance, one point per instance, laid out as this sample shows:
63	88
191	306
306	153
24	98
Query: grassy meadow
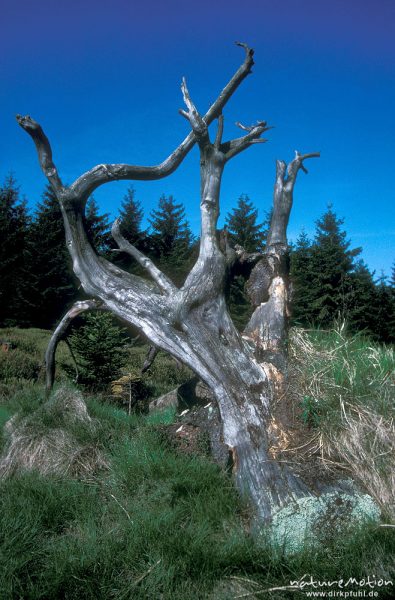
111	510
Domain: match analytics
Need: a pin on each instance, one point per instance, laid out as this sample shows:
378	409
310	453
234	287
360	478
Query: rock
182	397
169	400
200	419
313	521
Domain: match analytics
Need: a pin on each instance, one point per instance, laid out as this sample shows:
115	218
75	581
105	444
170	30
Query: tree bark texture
192	322
268	287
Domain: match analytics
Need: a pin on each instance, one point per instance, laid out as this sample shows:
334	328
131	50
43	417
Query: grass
156	524
346	389
24	364
335	369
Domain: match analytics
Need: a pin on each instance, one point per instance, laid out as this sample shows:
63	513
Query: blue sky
103	79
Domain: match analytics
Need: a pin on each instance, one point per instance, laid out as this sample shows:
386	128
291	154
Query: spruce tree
98	227
131	215
385	311
14	276
301	276
328	284
99	347
243	228
362	309
171	239
392	288
332	262
53	287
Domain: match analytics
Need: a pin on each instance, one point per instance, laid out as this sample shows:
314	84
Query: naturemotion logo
366	587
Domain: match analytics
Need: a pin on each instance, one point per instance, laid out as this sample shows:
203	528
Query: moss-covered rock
313	521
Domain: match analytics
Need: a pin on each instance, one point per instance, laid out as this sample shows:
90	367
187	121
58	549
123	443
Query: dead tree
192	322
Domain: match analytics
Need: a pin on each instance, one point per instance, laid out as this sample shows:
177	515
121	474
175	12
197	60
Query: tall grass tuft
345	385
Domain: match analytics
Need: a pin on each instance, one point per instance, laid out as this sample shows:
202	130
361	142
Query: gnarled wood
192	322
268	285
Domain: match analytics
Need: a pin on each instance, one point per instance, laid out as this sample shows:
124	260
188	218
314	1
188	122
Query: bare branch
43	150
283	197
244	257
249	52
244	127
104	173
237	145
149	359
220	131
296	164
160	278
73	358
199	126
60	331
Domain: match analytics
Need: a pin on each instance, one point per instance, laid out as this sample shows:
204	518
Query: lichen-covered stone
312	521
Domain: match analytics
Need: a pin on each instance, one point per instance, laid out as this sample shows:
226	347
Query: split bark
192	322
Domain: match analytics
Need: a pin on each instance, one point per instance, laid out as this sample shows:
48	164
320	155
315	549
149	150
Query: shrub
99	347
17	363
131	392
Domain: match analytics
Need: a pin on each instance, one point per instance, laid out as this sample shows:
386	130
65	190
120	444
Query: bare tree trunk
269	286
192	323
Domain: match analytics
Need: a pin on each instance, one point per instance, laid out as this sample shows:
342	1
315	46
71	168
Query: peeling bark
268	286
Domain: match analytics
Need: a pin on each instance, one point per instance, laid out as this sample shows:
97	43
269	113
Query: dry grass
43	442
345	389
367	445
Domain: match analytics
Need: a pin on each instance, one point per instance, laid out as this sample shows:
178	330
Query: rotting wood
192	322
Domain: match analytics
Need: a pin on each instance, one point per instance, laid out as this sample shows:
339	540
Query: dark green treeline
329	280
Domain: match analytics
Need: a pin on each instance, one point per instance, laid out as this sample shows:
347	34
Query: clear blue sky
103	80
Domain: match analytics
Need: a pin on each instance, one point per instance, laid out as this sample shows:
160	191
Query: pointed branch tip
249	51
243	127
249	128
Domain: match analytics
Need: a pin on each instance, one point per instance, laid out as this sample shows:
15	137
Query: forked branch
198	124
283	197
99	277
207	276
253	136
296	164
104	173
